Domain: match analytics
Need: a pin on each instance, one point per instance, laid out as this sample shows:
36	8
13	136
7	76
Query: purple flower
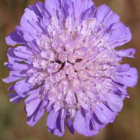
67	65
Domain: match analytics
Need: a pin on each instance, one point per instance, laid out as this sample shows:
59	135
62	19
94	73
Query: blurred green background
12	117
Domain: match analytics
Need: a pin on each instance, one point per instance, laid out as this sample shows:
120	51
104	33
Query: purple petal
22	87
67	7
96	123
128	78
32	102
83	8
87	9
83	125
11	88
16	66
14	98
123	68
51	119
33	46
111	18
12	58
101	13
120	35
55	122
127	53
44	23
114	102
52	6
121	92
22	52
14	38
14	76
69	124
104	114
35	117
38	9
26	34
30	21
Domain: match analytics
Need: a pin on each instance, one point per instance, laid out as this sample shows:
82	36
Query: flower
67	65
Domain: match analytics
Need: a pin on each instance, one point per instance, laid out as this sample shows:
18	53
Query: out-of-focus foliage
12	117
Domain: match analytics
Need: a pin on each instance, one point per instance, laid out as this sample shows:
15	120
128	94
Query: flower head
66	64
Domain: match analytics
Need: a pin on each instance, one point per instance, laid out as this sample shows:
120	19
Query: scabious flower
66	64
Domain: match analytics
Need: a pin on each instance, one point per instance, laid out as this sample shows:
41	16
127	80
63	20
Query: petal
26	34
33	46
51	119
123	68
16	66
101	13
14	38
23	52
69	124
22	87
83	8
32	102
67	7
104	114
38	9
45	21
12	58
35	117
30	21
52	7
78	4
35	91
111	18
97	124
83	125
119	35
122	93
55	122
14	98
11	88
127	53
128	78
14	76
42	9
87	9
114	102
